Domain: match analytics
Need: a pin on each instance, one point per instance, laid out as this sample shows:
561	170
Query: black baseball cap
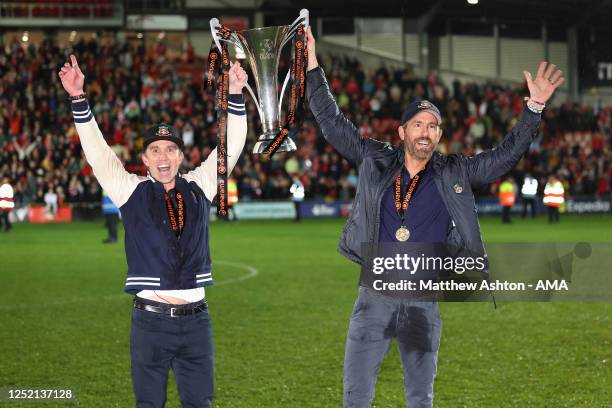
162	132
421	106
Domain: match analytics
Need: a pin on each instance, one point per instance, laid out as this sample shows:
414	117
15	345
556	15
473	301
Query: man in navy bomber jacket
166	244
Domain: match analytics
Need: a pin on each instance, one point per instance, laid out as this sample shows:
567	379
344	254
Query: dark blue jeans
376	321
182	343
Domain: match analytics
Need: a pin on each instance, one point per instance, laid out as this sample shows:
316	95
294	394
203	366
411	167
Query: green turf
279	336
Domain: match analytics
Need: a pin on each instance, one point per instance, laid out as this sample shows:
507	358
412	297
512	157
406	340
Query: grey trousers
376	320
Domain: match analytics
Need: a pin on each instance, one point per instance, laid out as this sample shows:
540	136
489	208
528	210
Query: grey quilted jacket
380	163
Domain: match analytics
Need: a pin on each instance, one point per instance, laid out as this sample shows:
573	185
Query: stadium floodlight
473	2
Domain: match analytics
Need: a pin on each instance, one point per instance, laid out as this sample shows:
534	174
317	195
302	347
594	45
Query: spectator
51	202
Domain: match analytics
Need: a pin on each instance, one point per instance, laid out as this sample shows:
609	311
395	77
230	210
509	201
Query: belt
170	310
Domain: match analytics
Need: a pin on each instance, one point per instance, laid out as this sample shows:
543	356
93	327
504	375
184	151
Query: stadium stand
130	87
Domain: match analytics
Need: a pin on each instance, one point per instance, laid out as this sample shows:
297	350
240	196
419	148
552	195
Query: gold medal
402	234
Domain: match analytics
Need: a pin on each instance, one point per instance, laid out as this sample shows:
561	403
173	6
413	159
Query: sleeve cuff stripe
236	98
238	105
83	120
82	104
83	115
237	112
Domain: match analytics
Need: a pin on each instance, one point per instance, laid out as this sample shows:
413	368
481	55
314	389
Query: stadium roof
559	12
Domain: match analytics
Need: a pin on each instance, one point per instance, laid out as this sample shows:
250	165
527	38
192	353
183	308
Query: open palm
546	82
72	78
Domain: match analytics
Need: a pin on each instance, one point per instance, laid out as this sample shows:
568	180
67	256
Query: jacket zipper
376	234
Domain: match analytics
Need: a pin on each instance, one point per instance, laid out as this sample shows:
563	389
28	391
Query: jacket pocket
350	240
453	238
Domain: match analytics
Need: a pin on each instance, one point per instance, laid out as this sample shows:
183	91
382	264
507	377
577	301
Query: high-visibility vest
506	194
554	194
6	198
529	188
232	192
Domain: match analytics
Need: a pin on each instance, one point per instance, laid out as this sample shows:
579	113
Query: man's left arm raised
491	164
206	174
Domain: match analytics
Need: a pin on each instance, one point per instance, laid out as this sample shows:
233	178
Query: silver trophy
262	48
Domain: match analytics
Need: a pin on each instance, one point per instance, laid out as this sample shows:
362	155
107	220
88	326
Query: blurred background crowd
130	88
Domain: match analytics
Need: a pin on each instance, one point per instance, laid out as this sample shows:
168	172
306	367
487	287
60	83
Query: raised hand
546	82
310	47
237	78
72	78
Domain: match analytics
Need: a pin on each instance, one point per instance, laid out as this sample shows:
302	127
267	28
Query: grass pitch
280	313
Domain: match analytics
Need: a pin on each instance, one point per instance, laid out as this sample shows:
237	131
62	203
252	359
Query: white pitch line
251	273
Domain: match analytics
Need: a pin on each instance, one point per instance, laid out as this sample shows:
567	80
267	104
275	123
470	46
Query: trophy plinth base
288	145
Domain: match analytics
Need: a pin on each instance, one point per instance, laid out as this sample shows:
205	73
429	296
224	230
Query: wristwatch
77	97
534	106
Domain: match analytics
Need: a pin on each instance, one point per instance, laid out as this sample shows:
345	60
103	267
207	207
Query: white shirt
297	189
530	187
51	198
188	295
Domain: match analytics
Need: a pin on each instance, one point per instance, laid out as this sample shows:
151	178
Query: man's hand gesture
546	82
237	78
72	78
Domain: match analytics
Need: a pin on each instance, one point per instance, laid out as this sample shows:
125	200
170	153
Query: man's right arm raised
105	164
336	128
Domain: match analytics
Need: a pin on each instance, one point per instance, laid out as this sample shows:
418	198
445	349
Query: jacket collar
159	189
438	160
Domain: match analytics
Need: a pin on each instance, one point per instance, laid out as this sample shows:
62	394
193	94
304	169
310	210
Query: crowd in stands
130	88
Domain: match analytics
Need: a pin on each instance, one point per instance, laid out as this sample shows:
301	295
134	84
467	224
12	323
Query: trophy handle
214	27
259	109
305	16
304	19
282	94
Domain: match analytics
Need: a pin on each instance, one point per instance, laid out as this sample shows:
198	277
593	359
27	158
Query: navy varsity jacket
156	258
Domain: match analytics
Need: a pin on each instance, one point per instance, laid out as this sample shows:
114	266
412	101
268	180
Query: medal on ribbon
402	234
